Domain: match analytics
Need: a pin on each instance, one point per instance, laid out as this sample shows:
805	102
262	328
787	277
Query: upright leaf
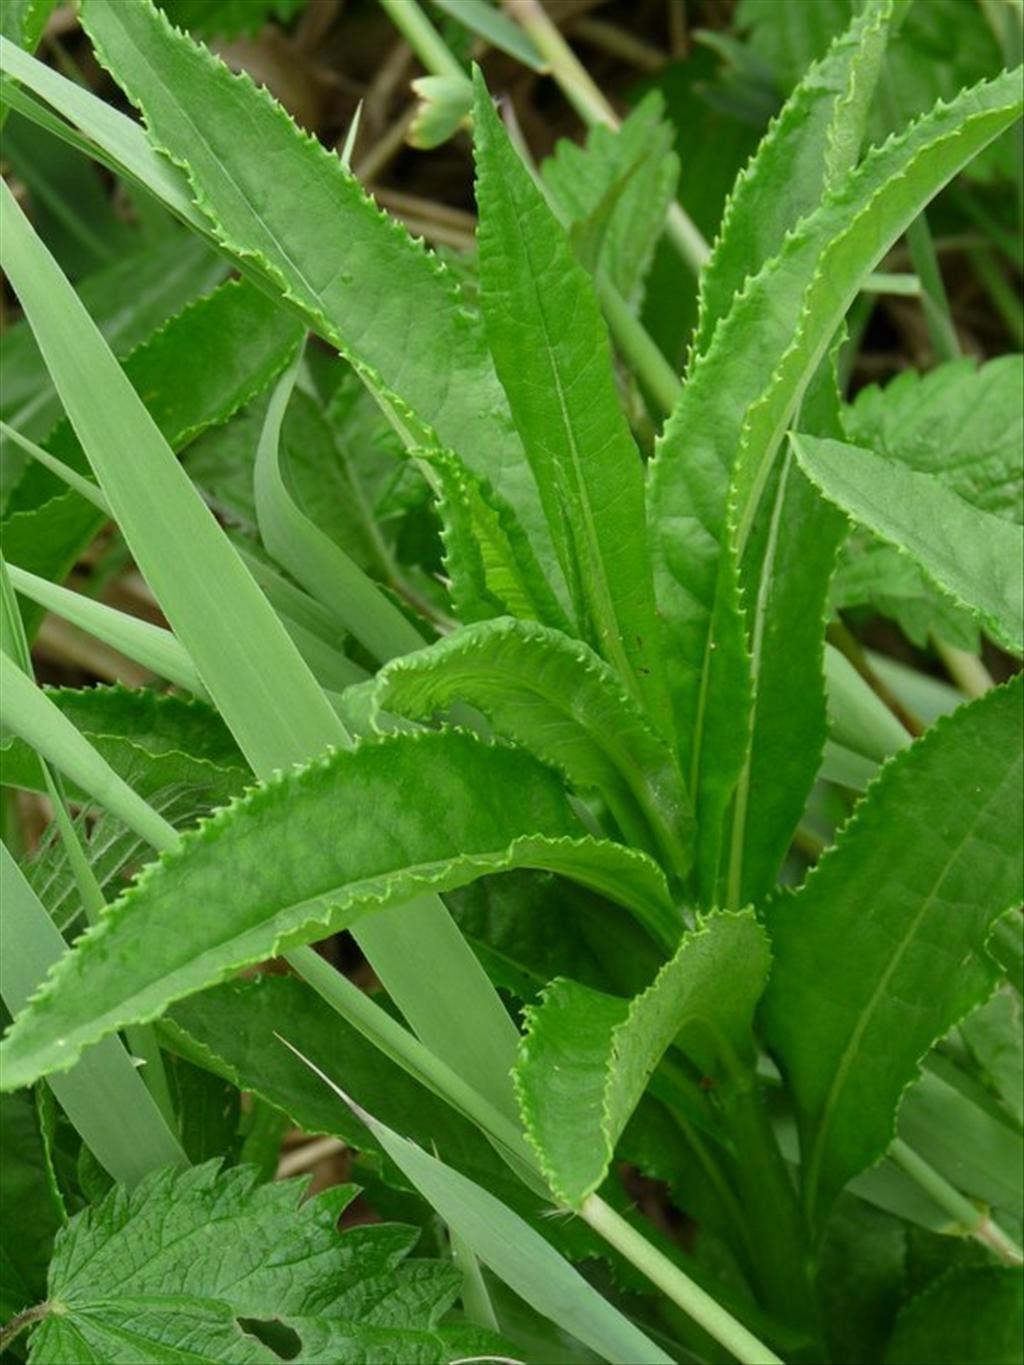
586	1058
733	413
279	874
554	696
552	355
812	143
883	949
388	305
974	556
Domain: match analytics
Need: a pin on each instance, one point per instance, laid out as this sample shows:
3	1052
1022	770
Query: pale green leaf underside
586	1058
163	1274
883	949
558	699
975	557
306	855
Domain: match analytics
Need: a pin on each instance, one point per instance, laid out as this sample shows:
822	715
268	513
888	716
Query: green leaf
230	18
555	697
910	890
513	1250
919	421
970	1316
502	810
734	411
977	558
23	21
33	1210
586	1058
993	1035
385	302
615	191
165	1273
812	143
551	351
128	301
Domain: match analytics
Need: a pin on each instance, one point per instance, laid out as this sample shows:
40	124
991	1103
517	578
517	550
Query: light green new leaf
975	557
551	350
307	855
734	411
883	949
555	697
512	1249
812	143
164	1274
615	193
385	302
586	1058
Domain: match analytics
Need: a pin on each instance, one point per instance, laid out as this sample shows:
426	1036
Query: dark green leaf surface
968	1317
163	1274
33	1210
883	949
587	1057
301	882
551	351
554	696
975	557
364	284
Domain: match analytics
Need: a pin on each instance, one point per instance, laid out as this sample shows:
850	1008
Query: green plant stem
20	1321
975	1222
580	90
966	670
839	634
676	1284
423	38
640	350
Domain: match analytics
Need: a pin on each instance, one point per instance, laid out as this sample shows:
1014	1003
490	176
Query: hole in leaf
282	1340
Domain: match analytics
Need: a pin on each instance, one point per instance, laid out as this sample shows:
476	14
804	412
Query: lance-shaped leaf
587	1057
554	696
815	139
551	350
975	557
164	1273
883	949
364	284
307	855
742	394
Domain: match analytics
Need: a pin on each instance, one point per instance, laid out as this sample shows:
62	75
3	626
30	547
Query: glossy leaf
302	884
554	696
977	558
551	352
911	890
586	1058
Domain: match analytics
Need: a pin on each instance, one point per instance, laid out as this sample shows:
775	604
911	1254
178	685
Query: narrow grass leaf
512	1249
104	1096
